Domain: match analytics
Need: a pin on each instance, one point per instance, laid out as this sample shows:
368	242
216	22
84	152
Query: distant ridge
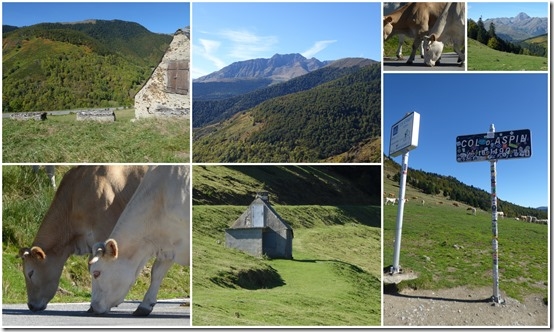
278	68
517	28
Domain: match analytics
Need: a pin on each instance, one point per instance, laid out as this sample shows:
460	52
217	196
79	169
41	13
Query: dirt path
461	307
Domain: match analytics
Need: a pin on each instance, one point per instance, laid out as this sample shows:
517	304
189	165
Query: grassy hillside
334	278
62	139
448	247
26	197
53	66
307	126
481	57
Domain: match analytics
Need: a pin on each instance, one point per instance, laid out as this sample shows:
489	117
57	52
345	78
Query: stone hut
261	231
166	93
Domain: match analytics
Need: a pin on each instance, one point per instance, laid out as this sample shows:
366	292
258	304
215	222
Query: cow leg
399	49
159	270
415	45
51	172
461	55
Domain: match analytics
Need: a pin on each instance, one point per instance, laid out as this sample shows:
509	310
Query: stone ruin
37	116
166	93
100	116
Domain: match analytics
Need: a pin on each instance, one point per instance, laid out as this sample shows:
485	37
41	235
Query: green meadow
62	139
449	247
332	280
481	57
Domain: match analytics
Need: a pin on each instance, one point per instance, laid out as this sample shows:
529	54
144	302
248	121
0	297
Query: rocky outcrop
166	94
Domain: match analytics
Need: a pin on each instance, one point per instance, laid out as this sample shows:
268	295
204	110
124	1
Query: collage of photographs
276	164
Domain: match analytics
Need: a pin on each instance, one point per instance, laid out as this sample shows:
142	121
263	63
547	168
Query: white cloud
245	45
208	49
317	47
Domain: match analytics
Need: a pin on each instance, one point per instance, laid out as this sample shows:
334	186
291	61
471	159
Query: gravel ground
462	307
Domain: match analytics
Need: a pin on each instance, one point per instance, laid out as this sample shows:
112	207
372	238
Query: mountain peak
279	68
522	16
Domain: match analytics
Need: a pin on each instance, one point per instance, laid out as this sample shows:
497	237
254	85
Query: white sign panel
404	135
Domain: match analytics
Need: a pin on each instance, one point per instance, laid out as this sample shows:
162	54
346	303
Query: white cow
449	27
500	214
390	200
155	223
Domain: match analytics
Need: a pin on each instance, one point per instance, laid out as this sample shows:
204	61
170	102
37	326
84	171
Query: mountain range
330	111
249	75
518	28
278	68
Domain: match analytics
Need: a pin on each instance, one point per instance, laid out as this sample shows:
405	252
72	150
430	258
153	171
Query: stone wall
160	97
100	116
38	116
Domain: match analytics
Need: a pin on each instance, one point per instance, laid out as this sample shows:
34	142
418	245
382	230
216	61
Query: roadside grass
447	247
481	57
62	139
333	279
26	197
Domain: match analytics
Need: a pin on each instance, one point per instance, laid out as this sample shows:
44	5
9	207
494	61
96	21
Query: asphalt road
449	62
165	313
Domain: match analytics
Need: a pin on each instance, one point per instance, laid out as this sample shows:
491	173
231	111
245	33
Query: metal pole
494	207
403	174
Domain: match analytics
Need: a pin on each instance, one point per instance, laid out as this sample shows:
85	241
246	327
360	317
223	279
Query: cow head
387	27
112	276
42	276
433	50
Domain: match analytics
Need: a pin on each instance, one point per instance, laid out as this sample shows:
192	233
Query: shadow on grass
392	289
251	279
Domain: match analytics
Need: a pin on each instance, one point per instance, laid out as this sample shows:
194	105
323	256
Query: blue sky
453	105
163	17
224	33
505	9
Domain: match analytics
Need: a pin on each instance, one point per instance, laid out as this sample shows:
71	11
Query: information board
404	135
494	146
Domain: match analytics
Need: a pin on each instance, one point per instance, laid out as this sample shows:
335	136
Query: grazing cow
155	223
390	200
449	27
84	210
414	20
50	171
472	210
456	204
500	214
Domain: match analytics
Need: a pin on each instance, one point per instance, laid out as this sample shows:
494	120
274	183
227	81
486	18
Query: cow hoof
142	312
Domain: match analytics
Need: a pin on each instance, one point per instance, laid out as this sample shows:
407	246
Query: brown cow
414	20
84	211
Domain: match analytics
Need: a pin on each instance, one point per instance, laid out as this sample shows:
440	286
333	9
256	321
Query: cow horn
97	250
24	252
